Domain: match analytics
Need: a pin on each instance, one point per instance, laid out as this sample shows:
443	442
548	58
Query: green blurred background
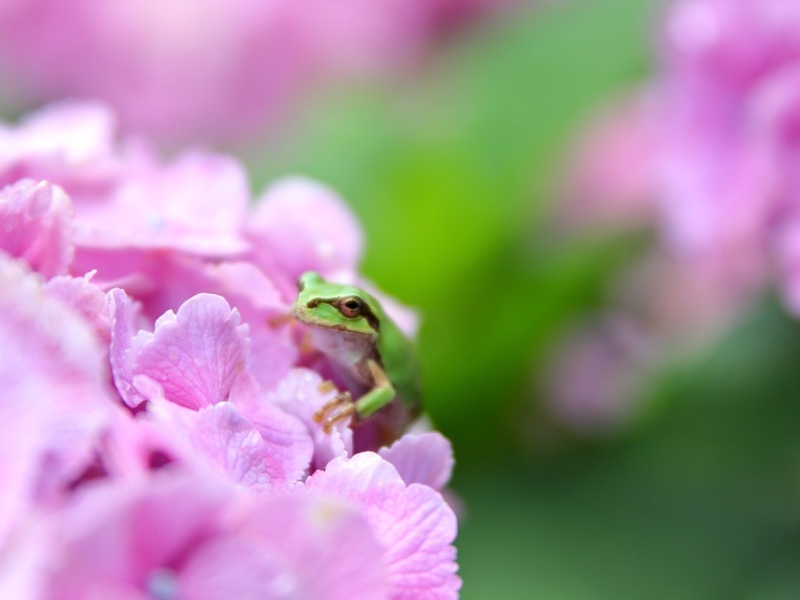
451	170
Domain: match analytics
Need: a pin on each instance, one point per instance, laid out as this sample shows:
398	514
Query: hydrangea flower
709	145
705	154
200	69
158	439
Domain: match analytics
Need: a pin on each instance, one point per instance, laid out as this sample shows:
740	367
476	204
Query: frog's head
334	306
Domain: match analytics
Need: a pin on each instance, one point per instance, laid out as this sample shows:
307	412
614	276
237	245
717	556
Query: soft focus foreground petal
194	355
53	397
425	458
23	560
35	225
287	242
298	394
68	142
176	535
196	205
291	547
413	523
126	534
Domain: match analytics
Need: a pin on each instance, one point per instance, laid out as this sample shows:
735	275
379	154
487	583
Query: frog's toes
348	410
340	402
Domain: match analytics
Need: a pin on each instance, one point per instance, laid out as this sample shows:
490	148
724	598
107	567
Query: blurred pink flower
200	69
171	535
705	153
595	374
717	136
52	368
608	178
158	438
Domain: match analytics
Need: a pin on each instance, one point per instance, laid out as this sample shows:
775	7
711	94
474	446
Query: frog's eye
301	285
351	306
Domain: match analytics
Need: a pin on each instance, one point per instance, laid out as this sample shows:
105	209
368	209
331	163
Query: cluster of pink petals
156	409
706	153
708	150
208	68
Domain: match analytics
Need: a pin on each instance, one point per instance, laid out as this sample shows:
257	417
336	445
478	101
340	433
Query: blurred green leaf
701	503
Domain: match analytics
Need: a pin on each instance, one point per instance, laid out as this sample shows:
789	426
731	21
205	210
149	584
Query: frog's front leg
379	396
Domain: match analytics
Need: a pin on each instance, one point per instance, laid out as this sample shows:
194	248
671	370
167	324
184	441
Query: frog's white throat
346	348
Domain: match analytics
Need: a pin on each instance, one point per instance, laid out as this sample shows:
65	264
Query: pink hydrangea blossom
157	428
172	535
411	521
716	132
204	68
704	153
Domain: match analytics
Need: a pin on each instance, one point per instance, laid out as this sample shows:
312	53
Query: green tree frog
366	349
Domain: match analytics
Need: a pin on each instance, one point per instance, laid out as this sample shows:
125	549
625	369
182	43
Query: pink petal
123	535
51	369
612	179
194	355
85	299
288	243
425	458
294	547
35	225
593	378
195	205
124	324
221	437
288	445
25	558
68	143
163	282
413	523
298	394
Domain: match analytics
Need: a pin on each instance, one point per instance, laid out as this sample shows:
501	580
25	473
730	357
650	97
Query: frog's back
399	359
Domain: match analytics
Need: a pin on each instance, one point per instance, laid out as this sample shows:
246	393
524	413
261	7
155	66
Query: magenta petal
194	355
422	458
35	221
413	523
